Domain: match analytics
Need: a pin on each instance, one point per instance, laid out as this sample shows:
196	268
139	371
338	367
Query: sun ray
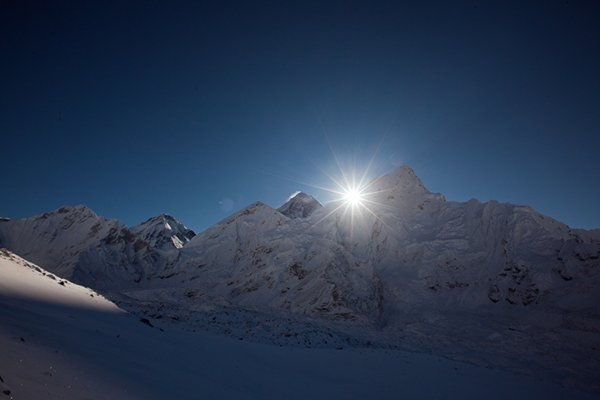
328	214
376	216
367	170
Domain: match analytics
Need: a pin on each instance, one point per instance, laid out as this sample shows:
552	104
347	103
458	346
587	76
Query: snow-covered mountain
412	249
163	232
484	279
299	205
498	282
261	259
76	244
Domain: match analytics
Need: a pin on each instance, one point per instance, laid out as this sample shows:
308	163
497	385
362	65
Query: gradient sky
138	108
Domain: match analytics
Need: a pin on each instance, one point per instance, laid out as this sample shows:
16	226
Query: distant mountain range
499	282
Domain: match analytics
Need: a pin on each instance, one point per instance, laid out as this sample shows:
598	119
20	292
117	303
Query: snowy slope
57	341
77	244
56	237
26	281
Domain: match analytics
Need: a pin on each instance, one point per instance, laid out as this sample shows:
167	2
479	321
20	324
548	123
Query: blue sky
138	108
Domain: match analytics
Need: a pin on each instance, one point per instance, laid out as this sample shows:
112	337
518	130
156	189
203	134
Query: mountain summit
300	205
164	232
402	179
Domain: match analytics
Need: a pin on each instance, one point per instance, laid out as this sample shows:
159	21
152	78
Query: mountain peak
67	212
299	205
78	208
163	217
405	172
403	178
300	196
164	231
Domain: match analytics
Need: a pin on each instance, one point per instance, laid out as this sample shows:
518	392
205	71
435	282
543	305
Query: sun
353	197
